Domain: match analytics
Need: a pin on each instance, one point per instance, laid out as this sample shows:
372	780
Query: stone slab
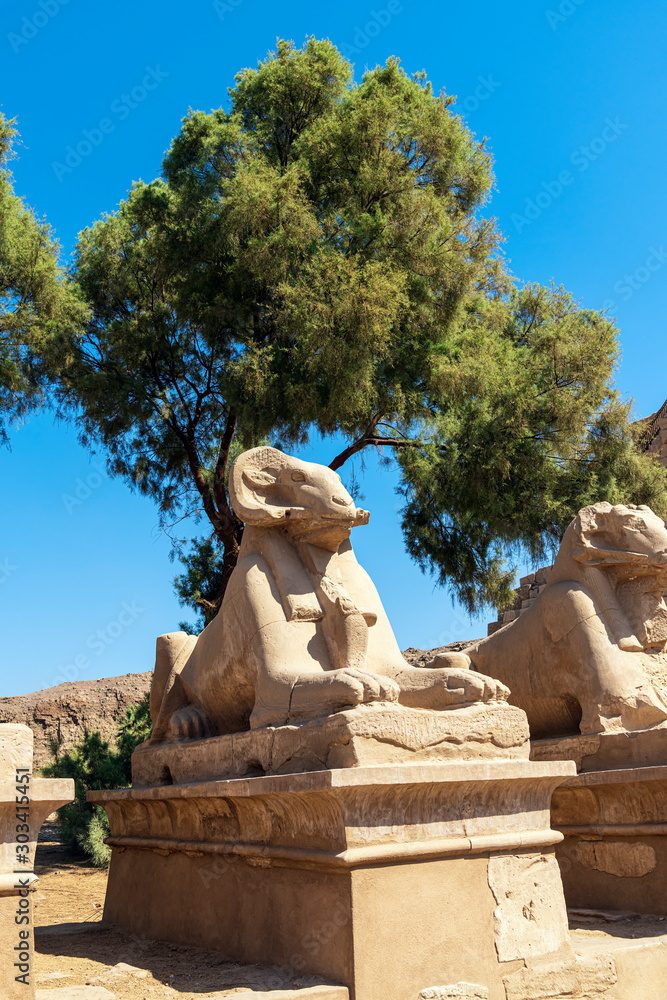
362	736
16	743
308	993
586	977
530	917
75	993
305	870
640	962
606	751
455	991
614	855
345	816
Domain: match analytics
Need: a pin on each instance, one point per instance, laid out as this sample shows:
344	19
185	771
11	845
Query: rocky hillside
423	657
68	710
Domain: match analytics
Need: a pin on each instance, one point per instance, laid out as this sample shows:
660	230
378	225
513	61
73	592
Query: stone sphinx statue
301	632
589	655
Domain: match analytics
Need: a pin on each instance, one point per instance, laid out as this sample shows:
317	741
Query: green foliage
36	304
94	764
199	585
291	269
526	429
315	258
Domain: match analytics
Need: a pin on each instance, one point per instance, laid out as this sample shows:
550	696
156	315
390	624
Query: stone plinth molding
387	879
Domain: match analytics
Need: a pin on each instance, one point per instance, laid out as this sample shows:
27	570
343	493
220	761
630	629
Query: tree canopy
315	257
35	300
526	431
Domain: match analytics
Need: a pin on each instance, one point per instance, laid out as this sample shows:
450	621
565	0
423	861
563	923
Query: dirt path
71	890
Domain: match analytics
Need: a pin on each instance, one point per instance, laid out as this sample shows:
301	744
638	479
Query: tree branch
221	465
377	442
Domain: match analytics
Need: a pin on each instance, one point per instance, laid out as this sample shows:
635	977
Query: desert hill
69	709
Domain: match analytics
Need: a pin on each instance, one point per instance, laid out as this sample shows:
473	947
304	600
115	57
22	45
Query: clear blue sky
571	95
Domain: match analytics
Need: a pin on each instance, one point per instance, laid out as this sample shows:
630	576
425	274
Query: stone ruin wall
529	589
654	439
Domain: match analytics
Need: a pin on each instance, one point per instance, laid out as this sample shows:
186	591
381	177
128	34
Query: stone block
457	991
381	878
614	855
308	993
530	917
25	802
585	978
637	962
618	858
362	736
76	993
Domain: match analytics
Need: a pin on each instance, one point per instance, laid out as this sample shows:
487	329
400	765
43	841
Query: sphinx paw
352	686
465	686
189	723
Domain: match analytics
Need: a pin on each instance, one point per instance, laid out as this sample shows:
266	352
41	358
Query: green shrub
94	764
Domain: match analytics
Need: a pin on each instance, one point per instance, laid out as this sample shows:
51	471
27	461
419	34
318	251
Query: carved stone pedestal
614	856
25	802
613	815
375	733
391	880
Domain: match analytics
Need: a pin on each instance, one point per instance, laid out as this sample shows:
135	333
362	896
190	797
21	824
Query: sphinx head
269	488
630	539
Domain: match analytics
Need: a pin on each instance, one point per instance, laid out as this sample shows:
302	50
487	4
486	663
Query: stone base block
606	751
639	961
76	993
102	993
614	855
366	735
25	802
396	881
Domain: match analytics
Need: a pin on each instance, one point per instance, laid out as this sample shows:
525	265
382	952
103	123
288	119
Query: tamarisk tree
315	257
35	300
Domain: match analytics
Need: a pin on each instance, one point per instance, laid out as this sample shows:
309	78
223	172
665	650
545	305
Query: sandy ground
70	890
593	925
